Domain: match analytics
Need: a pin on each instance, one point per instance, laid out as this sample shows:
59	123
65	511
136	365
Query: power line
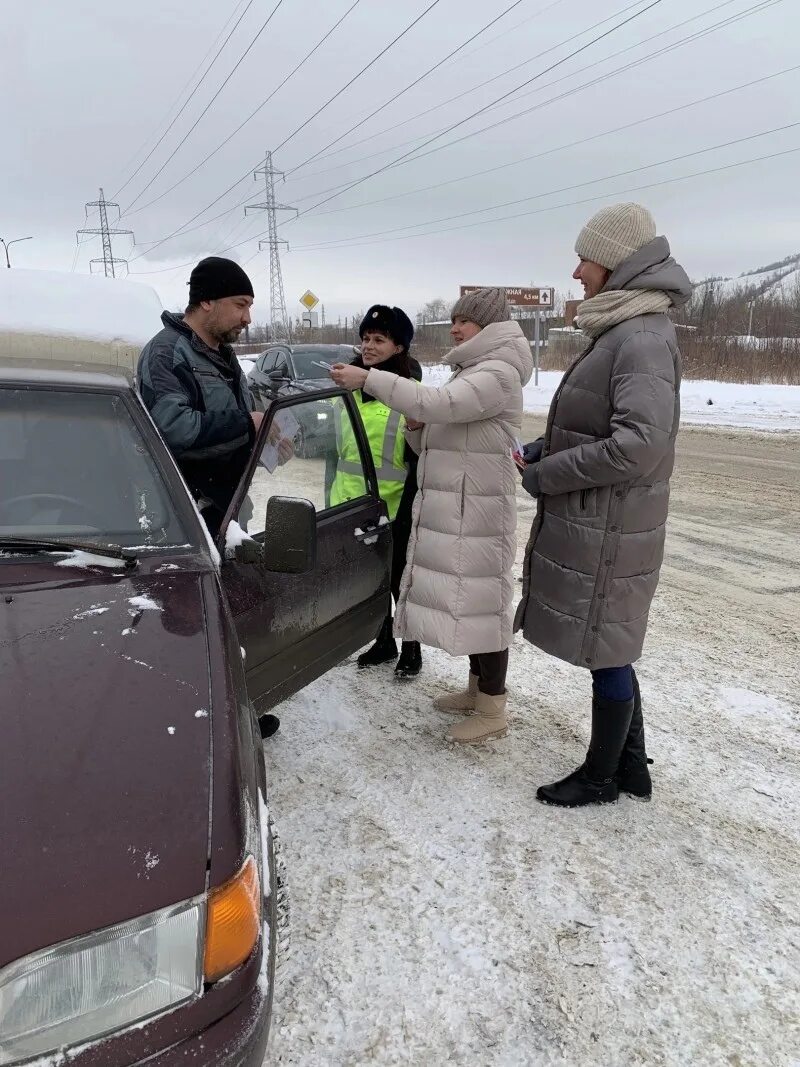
252	115
573	203
387	166
466	92
206	109
570	188
188	99
698	35
382	236
511	29
586	85
556	81
563	147
410	85
677	44
480	111
247	173
363	70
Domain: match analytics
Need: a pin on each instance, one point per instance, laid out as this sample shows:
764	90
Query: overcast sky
86	89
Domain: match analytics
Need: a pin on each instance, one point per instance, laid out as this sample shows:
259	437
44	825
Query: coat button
614	529
587	660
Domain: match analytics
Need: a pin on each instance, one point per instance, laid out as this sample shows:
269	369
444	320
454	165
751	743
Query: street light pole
7	244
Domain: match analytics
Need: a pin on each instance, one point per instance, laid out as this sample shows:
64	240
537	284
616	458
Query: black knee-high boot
594	782
633	776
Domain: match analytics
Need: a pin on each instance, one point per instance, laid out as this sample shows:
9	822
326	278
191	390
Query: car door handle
371	534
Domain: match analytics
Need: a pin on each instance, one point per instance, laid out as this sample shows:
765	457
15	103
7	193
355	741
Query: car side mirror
278	376
290	535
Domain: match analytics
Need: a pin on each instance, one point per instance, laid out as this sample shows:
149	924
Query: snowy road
442	916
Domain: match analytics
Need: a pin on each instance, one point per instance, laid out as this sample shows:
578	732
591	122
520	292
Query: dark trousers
614	683
490	668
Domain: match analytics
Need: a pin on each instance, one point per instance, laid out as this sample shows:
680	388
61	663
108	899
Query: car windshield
74	466
307	361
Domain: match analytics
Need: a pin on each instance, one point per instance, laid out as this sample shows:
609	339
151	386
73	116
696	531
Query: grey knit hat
483	307
615	233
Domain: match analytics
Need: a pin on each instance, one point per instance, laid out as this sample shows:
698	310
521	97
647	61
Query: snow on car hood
104	749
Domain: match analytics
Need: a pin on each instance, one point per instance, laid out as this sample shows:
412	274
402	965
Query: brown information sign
519	296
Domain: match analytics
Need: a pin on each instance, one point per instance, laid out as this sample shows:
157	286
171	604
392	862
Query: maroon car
139	910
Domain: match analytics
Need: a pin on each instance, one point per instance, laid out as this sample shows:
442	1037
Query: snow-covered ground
442	916
761	407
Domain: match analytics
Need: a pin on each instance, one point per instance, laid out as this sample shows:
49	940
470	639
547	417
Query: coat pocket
583	504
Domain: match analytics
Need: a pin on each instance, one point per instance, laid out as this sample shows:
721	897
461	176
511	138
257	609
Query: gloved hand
530	479
532	452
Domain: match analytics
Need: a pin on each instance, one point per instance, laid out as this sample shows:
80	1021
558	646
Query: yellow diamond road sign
308	300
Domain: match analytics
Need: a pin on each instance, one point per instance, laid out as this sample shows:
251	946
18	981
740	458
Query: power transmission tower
280	324
108	261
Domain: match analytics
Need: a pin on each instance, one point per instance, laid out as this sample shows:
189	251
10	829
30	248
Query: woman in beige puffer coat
457	590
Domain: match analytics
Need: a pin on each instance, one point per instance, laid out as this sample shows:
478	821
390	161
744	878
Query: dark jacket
595	551
200	401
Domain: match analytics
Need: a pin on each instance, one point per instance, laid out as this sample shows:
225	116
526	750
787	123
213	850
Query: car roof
310	347
81	374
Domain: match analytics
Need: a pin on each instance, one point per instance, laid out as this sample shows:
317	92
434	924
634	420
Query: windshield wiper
50	544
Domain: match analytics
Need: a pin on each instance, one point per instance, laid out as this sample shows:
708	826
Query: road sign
519	296
310	319
309	300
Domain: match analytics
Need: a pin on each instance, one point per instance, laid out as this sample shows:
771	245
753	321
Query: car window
311	453
281	364
309	364
267	362
74	464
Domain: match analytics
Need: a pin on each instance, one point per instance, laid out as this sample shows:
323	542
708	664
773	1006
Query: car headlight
86	988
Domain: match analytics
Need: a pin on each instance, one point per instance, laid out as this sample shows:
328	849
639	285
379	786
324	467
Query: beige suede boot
458	703
488	723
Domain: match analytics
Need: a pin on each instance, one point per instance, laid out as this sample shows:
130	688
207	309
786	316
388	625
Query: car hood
105	752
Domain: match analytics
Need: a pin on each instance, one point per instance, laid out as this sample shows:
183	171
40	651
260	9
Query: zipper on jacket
463	493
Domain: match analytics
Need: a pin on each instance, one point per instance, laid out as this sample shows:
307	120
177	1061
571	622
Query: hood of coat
502	341
652	267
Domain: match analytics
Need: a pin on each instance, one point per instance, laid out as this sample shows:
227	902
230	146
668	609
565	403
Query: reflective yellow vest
387	444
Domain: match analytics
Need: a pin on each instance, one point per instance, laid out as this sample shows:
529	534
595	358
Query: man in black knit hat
192	385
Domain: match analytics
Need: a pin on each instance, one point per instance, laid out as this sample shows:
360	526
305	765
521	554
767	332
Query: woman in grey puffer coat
602	481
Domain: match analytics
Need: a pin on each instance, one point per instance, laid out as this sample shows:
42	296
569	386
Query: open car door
295	626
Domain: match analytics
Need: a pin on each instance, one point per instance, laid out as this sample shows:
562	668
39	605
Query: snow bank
758	407
92	307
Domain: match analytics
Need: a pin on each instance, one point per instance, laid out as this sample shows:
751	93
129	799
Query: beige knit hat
615	233
482	307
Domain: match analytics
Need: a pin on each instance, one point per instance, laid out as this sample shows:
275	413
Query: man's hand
258	418
285	450
347	377
412	424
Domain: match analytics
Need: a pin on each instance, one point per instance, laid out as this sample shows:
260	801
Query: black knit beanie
392	321
214	278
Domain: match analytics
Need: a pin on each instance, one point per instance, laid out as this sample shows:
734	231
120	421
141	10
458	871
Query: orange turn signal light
233	922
